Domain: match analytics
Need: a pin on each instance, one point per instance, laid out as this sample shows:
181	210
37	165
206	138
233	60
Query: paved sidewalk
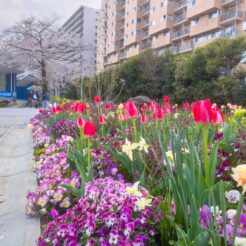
16	178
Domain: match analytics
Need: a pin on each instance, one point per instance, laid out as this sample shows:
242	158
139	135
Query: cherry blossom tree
40	46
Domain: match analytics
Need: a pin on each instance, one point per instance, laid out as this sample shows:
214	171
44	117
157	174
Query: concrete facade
128	27
84	23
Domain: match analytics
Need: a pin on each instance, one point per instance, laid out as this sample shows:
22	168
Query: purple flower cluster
104	164
39	132
64	127
53	171
207	213
108	214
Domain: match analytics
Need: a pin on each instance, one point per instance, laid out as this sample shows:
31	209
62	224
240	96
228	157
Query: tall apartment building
84	23
128	27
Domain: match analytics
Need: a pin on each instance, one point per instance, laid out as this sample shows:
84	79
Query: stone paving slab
16	178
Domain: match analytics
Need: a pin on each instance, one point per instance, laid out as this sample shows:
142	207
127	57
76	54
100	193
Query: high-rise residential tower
84	23
128	27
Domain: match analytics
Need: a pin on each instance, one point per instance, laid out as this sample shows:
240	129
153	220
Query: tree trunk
44	82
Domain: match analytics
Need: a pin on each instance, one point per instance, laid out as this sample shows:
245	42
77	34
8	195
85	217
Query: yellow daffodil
143	202
239	175
128	147
142	145
134	191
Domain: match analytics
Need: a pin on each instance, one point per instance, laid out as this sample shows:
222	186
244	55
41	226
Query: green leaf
201	240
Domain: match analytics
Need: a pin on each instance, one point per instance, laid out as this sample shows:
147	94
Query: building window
194	21
166	33
192	3
152	10
163	18
213	14
152	23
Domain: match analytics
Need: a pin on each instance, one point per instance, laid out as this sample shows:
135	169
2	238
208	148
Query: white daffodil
143	202
128	147
169	155
134	191
239	241
142	145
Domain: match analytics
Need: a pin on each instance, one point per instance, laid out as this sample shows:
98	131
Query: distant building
8	82
128	27
83	22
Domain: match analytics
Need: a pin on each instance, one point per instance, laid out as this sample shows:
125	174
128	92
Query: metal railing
183	47
180	4
180	33
233	13
179	19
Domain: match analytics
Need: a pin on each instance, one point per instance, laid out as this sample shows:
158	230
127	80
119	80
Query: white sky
15	10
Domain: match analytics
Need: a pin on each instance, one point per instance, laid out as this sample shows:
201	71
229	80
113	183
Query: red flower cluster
204	113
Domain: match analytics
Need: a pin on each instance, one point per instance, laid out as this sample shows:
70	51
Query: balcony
227	3
180	5
201	7
145	45
122	55
231	32
146	11
144	35
231	16
181	34
179	19
145	2
145	24
185	47
205	25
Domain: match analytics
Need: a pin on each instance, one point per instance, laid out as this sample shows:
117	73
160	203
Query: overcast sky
14	10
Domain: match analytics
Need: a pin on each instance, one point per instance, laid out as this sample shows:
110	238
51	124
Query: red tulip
58	108
102	119
53	110
89	129
167	108
72	106
186	106
97	99
80	122
40	111
217	117
108	106
202	111
153	106
79	107
159	114
132	110
144	107
166	100
144	119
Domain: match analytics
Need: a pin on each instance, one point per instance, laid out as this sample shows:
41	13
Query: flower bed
149	175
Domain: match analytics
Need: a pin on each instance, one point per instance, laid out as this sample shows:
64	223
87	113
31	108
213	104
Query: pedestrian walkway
16	178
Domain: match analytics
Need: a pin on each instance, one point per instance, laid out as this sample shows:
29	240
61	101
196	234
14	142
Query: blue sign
7	94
